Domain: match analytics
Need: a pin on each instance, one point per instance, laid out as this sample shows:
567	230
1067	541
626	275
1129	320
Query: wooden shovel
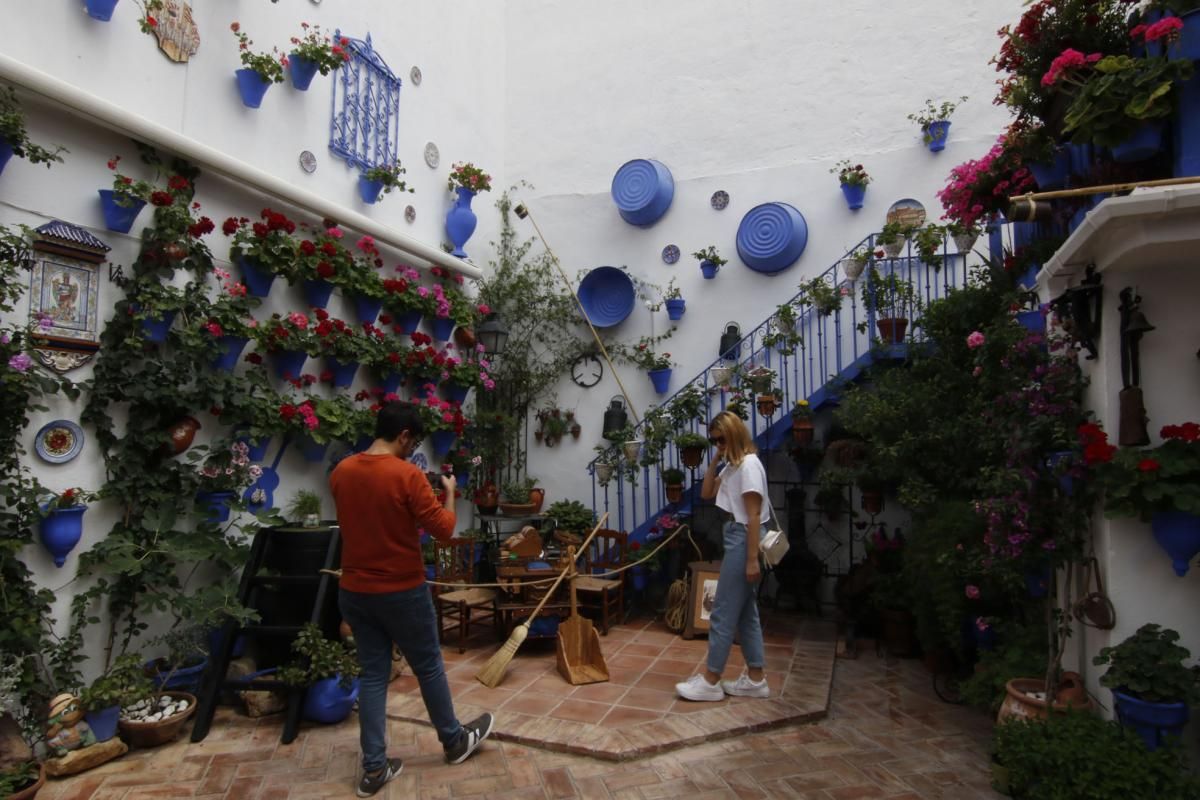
579	657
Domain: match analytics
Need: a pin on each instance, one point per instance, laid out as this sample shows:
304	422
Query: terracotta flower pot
152	734
767	404
1019	701
464	338
674	492
537	497
802	430
872	501
182	433
892	330
691	456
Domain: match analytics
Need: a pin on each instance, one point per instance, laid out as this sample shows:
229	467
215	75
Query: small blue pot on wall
6	152
1153	722
854	194
61	531
230	350
442	442
258	280
368	189
938	132
1177	532
461	221
100	9
118	217
215	505
252	87
303	70
675	308
661	378
103	722
709	270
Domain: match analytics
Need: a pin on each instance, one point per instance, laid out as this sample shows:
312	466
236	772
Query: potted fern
934	121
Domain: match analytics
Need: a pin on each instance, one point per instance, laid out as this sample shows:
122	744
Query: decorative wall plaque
365	128
414	75
308	162
178	36
433	156
65	289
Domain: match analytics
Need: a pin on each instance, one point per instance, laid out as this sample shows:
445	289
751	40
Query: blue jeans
735	607
408	619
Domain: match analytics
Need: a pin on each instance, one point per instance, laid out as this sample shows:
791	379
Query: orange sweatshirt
381	500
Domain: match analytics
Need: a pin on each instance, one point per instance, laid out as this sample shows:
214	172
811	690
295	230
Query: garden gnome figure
1132	429
65	728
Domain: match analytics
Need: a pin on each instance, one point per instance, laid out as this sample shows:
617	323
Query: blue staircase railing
834	350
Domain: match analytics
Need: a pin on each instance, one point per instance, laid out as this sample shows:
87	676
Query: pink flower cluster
1167	28
976	339
298	319
443	305
1068	59
968	198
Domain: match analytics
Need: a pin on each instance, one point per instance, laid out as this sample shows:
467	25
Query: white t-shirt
736	481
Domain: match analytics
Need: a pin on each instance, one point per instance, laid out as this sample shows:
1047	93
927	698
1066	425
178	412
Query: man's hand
449	484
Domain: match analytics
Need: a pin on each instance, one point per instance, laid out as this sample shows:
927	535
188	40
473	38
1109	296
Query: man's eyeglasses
716	441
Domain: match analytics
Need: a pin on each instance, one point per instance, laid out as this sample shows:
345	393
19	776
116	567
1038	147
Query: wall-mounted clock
587	370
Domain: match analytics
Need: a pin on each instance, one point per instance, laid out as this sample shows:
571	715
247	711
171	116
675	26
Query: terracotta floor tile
580	711
621	717
638	648
663	681
605	692
650	699
532	703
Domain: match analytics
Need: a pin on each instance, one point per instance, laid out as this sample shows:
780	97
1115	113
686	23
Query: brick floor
885	735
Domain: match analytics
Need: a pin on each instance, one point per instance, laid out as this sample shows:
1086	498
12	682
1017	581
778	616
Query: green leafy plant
517	491
934	113
801	409
782	333
319	48
69	498
389	176
1149	666
673	476
928	241
318	658
571	515
889	295
893	232
1077	755
124	683
1116	95
12	131
822	295
1138	482
269	66
850	173
303	503
688	439
709	254
18	777
643	355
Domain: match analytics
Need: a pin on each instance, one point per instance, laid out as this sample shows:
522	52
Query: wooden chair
607	595
454	562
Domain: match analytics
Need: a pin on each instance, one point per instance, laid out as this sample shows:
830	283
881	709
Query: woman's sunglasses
716	441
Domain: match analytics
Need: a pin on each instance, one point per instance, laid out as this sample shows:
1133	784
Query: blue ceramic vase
61	531
461	221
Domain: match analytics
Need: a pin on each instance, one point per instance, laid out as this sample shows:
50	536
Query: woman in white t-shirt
737	480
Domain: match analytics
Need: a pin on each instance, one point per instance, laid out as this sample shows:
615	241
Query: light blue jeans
735	608
408	619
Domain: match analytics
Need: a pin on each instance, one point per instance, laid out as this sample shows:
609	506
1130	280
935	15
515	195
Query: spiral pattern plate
642	190
771	237
607	295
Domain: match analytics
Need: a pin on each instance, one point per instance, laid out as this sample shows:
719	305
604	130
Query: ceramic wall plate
59	441
907	212
410	213
670	254
415	75
720	199
433	156
308	162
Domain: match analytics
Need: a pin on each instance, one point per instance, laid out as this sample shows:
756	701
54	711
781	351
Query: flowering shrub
644	356
319	48
269	66
229	314
851	174
226	470
125	189
337	339
1138	482
406	293
322	257
268	243
468	176
13	132
931	114
441	415
291	332
69	498
980	188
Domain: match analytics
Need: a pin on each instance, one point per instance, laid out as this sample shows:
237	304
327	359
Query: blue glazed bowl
771	237
607	296
643	190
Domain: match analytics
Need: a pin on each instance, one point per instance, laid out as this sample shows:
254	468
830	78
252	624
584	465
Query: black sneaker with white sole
372	782
474	732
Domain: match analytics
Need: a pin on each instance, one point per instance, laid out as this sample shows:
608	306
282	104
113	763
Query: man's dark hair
396	418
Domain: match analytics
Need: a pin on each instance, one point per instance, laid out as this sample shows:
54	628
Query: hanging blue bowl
771	237
607	296
643	190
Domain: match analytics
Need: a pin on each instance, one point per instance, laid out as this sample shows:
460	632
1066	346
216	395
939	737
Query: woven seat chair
460	608
606	596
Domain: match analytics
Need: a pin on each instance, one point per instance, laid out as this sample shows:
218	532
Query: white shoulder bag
773	544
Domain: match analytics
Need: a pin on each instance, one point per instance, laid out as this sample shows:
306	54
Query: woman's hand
752	571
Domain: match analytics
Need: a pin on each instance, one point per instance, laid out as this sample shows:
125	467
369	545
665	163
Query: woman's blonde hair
737	437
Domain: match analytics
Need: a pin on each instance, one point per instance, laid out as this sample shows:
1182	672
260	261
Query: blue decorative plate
771	237
607	296
58	441
643	190
670	254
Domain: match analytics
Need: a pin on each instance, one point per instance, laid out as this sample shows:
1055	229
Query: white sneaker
744	687
698	688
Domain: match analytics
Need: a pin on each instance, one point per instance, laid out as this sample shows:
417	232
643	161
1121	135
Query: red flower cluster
1096	449
161	198
201	227
1187	432
1148	465
231	225
177	183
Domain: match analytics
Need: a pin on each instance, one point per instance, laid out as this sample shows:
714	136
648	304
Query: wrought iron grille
364	128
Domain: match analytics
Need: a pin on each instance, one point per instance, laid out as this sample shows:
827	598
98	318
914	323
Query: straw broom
493	671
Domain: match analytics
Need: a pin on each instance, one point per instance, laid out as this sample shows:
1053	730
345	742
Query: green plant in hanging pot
710	261
891	298
928	241
691	448
305	509
781	332
14	139
934	122
571	516
387	178
892	238
822	295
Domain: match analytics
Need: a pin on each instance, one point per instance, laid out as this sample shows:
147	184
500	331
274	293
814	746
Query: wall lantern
492	335
615	417
1080	308
730	341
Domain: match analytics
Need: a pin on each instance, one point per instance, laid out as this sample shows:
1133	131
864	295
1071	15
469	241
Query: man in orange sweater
381	500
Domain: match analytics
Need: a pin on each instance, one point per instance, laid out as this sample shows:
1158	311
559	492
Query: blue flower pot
258	281
1189	37
101	10
1081	158
1177	532
642	190
854	194
1186	123
216	640
117	217
366	309
408	322
184	679
709	270
463	479
938	133
675	308
1153	722
661	378
215	505
256	451
1037	584
343	373
327	702
391	381
6	152
1065	481
441	328
1143	144
638	577
289	363
455	392
103	722
312	450
1052	175
303	70
1032	321
369	190
461	221
252	87
317	292
156	330
442	442
230	351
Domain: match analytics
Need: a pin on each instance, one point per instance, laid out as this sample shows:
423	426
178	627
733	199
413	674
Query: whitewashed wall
459	106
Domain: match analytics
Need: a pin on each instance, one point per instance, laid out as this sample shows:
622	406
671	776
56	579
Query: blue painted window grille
365	125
